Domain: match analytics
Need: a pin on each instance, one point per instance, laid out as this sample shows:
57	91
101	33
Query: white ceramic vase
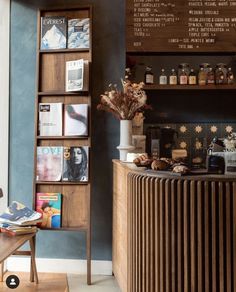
125	139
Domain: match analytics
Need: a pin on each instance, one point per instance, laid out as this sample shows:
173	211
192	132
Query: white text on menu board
202	22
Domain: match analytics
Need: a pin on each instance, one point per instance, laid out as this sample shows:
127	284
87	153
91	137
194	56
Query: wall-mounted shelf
190	87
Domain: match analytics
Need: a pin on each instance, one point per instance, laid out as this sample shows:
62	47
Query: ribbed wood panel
182	235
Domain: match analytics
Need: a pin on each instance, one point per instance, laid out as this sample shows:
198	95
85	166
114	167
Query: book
19	214
16	230
76	120
78	33
53	32
49	163
49	205
50	119
74	75
75	164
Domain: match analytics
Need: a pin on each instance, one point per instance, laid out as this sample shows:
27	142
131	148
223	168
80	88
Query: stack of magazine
19	219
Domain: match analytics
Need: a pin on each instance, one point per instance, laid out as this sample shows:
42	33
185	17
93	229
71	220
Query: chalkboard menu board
181	25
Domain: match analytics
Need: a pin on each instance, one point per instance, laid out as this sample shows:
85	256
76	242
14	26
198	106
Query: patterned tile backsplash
196	138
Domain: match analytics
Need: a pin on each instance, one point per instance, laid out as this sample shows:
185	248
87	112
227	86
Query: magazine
49	205
53	32
19	214
78	33
49	163
74	75
50	119
76	120
75	164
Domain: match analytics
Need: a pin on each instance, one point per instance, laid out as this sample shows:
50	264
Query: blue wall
108	66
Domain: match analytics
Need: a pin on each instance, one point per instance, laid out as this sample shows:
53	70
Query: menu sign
181	25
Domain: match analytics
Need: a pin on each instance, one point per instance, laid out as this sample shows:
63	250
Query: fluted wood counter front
173	234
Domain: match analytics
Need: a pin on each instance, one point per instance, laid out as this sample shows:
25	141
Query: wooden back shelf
51	69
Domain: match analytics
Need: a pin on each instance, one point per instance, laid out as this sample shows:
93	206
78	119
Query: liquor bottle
220	76
210	76
230	76
192	78
202	76
163	78
173	77
148	76
183	78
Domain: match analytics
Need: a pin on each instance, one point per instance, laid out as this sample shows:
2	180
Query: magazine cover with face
49	205
49	163
75	164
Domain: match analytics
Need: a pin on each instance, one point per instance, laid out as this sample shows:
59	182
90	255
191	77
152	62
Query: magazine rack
51	66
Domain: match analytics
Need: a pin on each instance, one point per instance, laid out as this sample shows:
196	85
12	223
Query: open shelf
190	87
65	228
62	93
62	137
62	51
62	182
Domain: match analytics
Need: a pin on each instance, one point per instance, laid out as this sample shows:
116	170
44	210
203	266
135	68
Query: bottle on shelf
192	78
173	77
202	76
183	78
185	67
148	76
223	68
230	76
210	76
163	78
220	79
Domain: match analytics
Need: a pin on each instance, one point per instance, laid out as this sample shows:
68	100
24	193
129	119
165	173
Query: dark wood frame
75	193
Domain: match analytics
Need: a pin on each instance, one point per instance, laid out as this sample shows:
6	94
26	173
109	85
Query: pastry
180	169
142	160
159	164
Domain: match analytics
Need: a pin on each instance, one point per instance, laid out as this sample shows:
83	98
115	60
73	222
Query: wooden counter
173	233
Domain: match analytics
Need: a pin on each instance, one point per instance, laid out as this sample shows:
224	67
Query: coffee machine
160	141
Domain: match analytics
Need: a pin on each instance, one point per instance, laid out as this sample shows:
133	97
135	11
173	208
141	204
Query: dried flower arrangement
126	103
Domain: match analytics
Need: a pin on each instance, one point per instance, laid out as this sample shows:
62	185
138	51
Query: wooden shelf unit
51	67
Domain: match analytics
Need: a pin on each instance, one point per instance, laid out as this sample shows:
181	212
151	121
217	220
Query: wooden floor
47	282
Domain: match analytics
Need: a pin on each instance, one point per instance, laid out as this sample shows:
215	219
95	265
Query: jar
206	67
181	67
148	76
